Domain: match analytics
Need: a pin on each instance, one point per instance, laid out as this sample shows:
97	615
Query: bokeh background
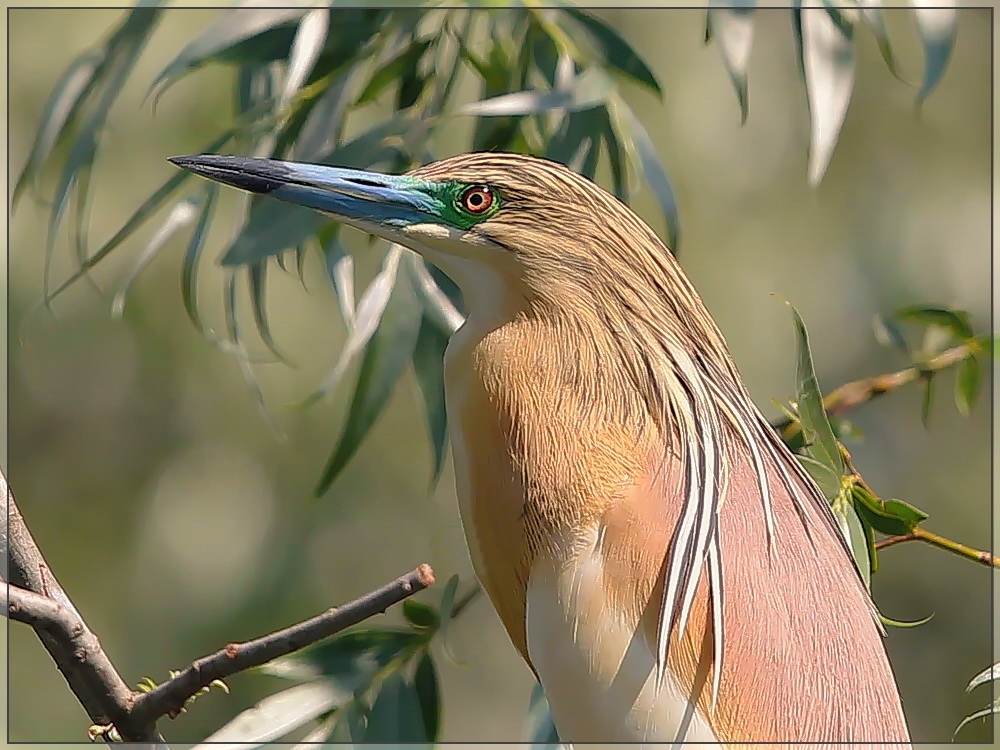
179	521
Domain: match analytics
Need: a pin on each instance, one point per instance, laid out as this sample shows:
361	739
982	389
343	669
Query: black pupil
477	199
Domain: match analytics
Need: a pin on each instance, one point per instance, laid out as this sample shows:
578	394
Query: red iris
477	200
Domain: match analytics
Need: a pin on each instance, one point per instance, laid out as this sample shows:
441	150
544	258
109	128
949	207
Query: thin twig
852	395
170	696
922	535
77	652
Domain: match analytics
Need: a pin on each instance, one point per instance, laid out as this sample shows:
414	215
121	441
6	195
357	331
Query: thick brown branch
77	652
170	697
40	612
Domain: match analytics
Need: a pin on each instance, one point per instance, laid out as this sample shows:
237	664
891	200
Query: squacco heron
656	554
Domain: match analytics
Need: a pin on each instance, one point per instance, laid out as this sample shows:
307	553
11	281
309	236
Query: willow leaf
821	443
64	102
732	28
937	24
189	268
230	29
428	365
277	715
123	49
258	302
616	52
364	323
182	214
386	357
827	59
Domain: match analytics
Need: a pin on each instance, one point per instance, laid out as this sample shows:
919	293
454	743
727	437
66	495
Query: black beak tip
252	175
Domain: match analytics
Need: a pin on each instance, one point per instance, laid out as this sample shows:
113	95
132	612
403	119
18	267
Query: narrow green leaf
123	49
649	166
827	479
189	268
448	601
827	59
258	302
307	44
237	347
438	304
990	674
254	86
731	24
852	526
340	270
230	29
349	728
905	511
936	22
618	53
616	157
544	53
589	89
182	214
871	14
271	228
446	610
396	714
386	356
905	624
821	444
425	682
281	713
141	215
887	333
993	708
419	615
393	70
351	659
324	732
428	366
892	522
364	323
322	127
64	102
579	130
956	321
870	543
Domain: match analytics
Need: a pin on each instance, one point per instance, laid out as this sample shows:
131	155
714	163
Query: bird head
503	226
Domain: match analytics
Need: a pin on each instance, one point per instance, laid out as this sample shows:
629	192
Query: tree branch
922	535
73	646
170	696
35	597
852	395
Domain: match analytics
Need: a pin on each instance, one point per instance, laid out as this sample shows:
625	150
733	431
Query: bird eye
477	200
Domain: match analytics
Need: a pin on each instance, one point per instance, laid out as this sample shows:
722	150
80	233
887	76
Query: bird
657	555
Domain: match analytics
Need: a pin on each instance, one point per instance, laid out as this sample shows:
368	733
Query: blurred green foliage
132	432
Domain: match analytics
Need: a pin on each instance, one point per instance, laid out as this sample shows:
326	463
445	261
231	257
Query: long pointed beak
368	200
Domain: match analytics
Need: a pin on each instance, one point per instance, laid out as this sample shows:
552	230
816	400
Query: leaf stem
854	394
922	535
